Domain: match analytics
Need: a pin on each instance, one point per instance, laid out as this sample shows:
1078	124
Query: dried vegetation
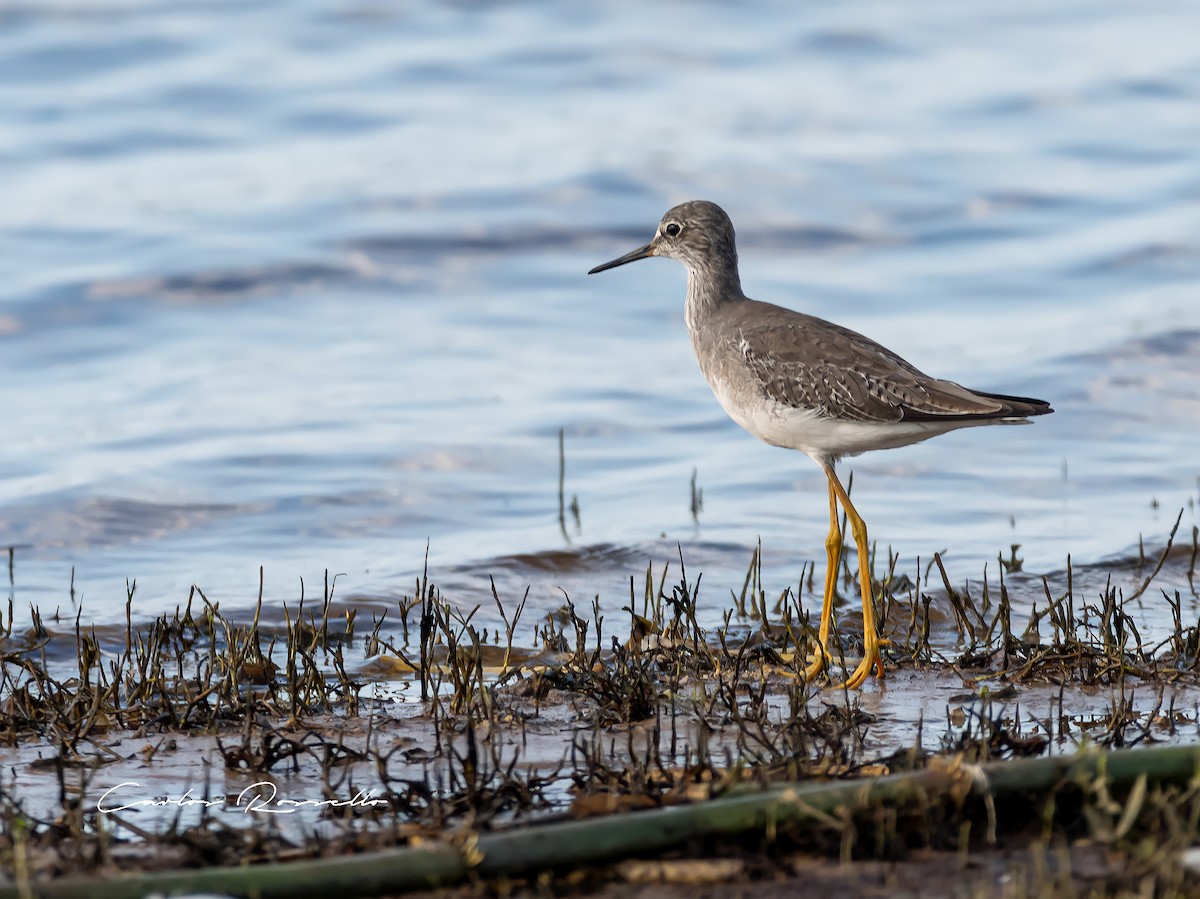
652	711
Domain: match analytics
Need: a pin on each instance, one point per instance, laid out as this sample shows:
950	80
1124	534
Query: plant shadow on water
206	739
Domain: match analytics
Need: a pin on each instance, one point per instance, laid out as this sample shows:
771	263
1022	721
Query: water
301	286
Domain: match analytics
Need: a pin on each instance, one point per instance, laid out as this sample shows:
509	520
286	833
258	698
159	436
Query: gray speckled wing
809	363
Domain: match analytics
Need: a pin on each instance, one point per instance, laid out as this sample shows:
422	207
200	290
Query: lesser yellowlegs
803	383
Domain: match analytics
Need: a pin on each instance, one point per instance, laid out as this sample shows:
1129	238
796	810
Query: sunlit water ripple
301	286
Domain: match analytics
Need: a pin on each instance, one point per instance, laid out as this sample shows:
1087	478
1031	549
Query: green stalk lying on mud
567	844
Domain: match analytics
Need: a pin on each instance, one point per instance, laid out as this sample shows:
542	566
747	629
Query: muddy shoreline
197	741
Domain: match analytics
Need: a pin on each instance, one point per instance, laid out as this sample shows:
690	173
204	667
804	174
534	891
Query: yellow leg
833	561
871	642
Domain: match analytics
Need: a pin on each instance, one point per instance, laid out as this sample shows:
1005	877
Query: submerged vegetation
422	727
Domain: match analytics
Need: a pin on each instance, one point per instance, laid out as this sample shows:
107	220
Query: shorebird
799	382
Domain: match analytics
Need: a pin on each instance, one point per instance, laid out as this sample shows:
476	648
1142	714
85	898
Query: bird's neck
709	290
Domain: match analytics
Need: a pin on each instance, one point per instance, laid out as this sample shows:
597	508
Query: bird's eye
672	229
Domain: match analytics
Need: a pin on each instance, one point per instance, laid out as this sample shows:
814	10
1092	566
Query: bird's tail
1018	406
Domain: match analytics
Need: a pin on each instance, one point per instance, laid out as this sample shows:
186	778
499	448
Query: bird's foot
820	661
872	660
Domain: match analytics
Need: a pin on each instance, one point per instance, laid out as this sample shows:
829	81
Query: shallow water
183	779
301	286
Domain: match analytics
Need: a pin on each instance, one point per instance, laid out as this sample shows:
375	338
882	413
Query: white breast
812	433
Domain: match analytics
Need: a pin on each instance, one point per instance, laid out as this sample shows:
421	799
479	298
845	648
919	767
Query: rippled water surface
301	285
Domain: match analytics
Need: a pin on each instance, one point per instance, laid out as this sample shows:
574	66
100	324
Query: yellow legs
833	549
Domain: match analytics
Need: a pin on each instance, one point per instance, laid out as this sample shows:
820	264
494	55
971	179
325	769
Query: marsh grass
650	708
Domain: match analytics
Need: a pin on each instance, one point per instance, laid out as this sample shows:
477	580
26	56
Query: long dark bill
640	253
